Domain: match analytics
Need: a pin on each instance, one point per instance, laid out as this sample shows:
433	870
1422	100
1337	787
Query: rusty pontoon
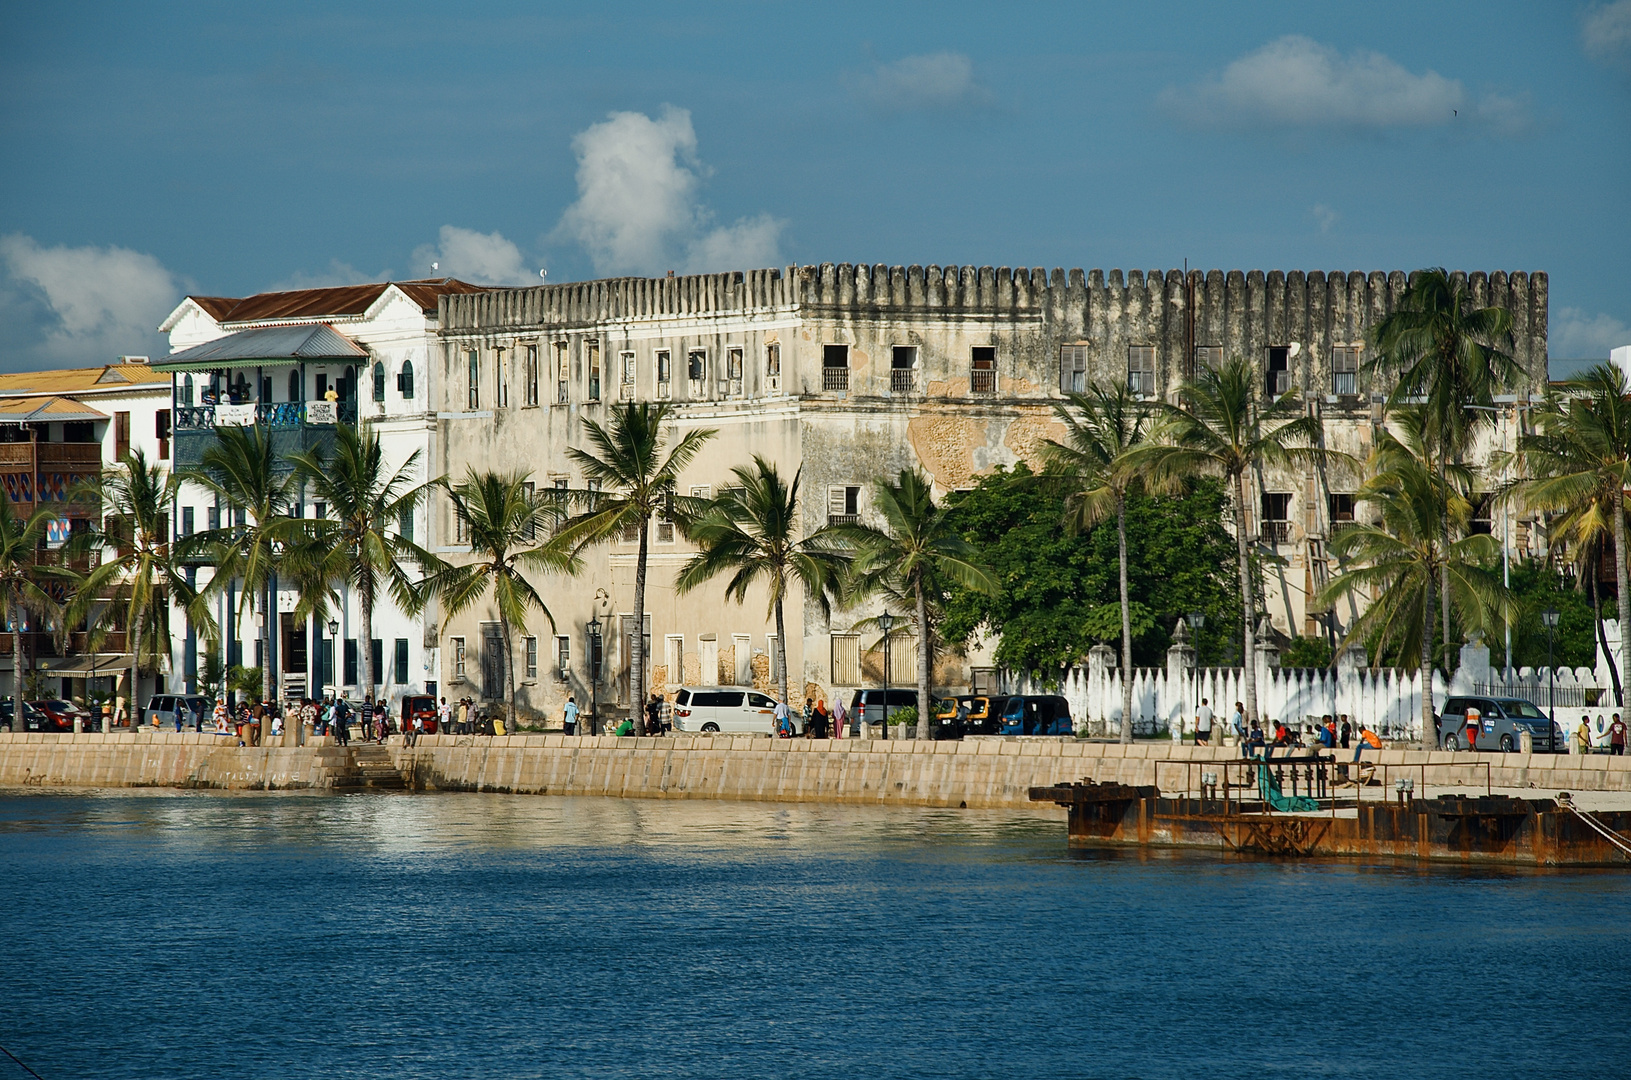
1316	806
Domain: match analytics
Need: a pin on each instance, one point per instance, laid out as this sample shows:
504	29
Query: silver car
1501	724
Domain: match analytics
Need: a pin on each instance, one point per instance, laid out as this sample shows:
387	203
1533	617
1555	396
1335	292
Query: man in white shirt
1203	724
444	714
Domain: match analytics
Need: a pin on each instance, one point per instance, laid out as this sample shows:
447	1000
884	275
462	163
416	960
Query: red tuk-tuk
421	707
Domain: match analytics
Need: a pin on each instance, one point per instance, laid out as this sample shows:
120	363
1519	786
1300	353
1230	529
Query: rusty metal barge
1315	807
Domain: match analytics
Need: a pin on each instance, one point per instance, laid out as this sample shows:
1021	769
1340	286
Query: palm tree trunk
16	668
923	656
134	708
1444	567
1249	637
365	647
637	651
268	621
1602	636
1620	584
1429	734
1126	628
509	668
781	648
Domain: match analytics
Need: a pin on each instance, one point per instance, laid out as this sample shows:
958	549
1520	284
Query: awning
268	346
85	666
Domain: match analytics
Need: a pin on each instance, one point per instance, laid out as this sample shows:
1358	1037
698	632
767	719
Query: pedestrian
444	716
780	719
1238	722
1582	735
569	716
1203	724
1347	731
840	719
808	712
1616	736
1472	728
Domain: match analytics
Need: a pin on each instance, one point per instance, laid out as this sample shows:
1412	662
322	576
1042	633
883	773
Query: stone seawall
973	773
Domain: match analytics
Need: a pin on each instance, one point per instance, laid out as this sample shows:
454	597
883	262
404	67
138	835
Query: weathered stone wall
163	759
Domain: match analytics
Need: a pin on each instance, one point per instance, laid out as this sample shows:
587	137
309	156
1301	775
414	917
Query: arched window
405	380
187	390
296	391
379	381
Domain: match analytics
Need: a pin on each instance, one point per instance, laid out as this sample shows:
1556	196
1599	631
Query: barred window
1345	370
982	374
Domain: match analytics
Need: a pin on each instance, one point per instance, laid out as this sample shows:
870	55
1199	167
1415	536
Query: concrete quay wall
974	773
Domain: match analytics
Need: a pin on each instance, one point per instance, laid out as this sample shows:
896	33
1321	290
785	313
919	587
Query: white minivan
724	709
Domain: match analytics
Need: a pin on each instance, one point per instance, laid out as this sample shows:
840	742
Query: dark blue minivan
1036	714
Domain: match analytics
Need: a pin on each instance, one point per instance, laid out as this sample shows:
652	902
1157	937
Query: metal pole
1506	556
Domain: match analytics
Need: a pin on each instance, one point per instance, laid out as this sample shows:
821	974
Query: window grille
982	374
1345	370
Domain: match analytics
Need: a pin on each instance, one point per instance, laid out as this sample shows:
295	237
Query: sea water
391	935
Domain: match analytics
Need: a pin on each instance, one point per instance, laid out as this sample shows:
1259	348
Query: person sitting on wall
1367	738
1253	745
625	727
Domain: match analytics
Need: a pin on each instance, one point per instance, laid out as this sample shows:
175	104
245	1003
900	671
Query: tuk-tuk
421	707
1036	714
984	715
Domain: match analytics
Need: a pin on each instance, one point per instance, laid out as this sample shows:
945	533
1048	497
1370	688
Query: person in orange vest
1473	716
1369	738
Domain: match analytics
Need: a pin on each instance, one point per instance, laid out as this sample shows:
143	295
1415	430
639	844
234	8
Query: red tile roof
326	303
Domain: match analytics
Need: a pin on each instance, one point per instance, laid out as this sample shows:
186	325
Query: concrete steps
370	766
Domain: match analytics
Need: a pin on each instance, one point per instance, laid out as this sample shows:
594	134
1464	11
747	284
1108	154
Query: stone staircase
370	767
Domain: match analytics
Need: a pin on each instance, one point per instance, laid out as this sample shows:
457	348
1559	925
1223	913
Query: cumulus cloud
942	80
477	257
1325	216
80	306
1605	33
638	211
1297	83
336	273
1573	334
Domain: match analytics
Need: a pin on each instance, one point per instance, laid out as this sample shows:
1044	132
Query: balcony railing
279	416
1276	532
900	380
982	381
843	519
835	378
295	426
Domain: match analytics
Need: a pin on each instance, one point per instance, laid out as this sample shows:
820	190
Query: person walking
780	719
444	716
654	715
1616	735
840	719
1582	735
1203	724
569	716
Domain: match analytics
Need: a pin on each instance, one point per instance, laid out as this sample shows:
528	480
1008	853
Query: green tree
1454	358
504	521
21	588
1220	428
145	573
630	478
751	532
915	559
361	540
1536	586
1398	561
1102	427
1579	463
243	469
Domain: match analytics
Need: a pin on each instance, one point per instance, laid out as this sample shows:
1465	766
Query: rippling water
203	935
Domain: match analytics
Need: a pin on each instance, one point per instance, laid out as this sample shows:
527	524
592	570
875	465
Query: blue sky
157	150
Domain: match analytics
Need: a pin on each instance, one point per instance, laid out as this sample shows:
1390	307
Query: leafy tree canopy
1058	593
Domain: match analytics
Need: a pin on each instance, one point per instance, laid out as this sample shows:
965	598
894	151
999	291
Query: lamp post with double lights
1196	620
885	622
594	675
1549	617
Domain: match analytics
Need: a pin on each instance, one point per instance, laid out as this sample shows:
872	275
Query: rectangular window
1141	370
835	367
982	370
121	435
1482	522
532	658
1208	358
696	369
843	505
376	657
404	523
352	661
1341	505
593	350
501	385
562	373
773	367
319	510
665	372
532	375
1277	375
1276	517
473	398
846	659
458	656
1345	370
665	528
186	521
461	526
702	491
630	533
400	675
530	492
902	368
562	486
213	518
161	429
733	371
563	655
625	375
1073	369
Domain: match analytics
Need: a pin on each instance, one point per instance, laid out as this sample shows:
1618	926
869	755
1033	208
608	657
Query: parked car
866	706
60	715
33	719
422	706
161	709
1036	714
724	709
1502	722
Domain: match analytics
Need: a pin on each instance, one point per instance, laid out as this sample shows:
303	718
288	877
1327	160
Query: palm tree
1399	561
1579	463
146	572
503	519
1219	428
1101	429
628	479
914	559
749	532
1454	359
361	541
20	586
242	468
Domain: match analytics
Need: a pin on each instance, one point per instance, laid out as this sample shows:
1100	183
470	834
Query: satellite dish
435	266
544	274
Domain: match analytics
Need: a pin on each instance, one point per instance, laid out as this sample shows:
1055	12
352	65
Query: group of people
1610	735
1331	733
462	717
818	722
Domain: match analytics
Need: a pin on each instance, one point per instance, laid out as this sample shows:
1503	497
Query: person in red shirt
1616	735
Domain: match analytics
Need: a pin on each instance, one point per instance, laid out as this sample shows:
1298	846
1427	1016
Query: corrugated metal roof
326	303
107	377
267	346
33	410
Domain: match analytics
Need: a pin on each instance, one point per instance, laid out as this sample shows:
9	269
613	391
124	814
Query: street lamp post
594	675
885	621
333	658
1196	620
1549	617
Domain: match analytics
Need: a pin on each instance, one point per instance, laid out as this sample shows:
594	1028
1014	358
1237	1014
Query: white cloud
1572	334
943	80
336	273
476	257
1325	216
1606	32
637	210
80	306
1296	82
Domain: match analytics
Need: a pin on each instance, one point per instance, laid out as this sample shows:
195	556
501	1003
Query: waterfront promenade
985	772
